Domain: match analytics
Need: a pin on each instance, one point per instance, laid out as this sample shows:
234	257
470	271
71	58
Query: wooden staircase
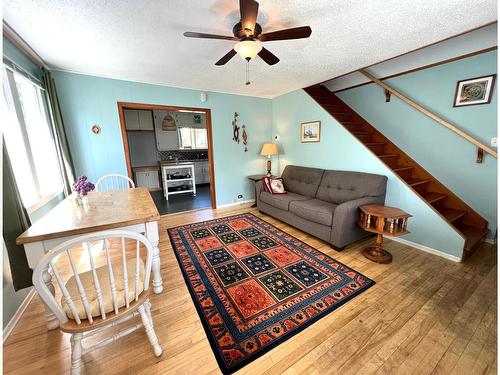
468	223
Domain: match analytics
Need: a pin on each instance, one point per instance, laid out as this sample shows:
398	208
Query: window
194	138
29	141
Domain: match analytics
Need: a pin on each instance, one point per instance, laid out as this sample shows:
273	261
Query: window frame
12	94
192	137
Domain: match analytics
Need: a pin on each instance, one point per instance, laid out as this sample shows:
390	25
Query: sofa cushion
302	180
342	186
315	210
281	201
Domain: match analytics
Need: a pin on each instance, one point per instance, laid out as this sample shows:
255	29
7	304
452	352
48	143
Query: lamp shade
269	149
248	49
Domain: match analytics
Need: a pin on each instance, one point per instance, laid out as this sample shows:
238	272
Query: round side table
382	220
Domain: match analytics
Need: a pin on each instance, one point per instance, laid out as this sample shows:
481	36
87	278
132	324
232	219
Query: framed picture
310	131
474	91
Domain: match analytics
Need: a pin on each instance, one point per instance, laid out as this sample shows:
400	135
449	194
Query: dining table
128	209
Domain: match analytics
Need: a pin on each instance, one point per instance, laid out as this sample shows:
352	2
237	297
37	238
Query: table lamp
269	149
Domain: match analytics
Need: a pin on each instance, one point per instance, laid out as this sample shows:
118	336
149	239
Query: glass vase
82	200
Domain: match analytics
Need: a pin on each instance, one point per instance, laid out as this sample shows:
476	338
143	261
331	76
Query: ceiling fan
249	37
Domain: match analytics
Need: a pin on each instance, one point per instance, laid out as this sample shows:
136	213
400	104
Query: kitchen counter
174	163
146	168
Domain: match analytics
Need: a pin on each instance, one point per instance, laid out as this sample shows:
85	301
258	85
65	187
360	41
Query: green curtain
15	222
60	134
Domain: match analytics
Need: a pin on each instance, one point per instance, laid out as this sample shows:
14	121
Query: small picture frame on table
310	131
474	91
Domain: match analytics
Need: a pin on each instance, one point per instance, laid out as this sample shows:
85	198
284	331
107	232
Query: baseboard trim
427	249
236	203
492	241
15	318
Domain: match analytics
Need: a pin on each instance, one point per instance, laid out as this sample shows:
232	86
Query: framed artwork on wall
310	131
474	91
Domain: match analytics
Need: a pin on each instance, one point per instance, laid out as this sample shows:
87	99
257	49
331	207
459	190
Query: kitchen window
193	138
29	140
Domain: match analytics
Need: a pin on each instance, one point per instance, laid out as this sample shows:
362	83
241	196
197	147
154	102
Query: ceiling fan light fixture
248	49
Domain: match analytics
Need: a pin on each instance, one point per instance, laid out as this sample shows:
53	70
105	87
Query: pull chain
248	72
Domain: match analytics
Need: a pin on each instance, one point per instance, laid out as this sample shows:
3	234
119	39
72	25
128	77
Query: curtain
62	147
15	222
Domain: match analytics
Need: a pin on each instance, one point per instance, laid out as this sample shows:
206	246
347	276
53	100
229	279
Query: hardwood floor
425	315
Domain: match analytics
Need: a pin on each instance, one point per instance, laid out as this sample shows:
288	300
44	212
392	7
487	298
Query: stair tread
451	214
361	132
417	181
434	197
402	168
388	155
472	234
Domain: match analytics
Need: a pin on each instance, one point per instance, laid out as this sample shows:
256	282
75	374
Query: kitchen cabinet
201	172
147	177
138	120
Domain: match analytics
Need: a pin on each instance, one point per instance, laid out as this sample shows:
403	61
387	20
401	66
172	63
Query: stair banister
429	113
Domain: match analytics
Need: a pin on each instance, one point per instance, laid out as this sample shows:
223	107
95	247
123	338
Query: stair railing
433	116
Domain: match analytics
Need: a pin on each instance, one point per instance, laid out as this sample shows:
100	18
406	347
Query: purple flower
83	186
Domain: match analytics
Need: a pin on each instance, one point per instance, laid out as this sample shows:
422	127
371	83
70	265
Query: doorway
169	150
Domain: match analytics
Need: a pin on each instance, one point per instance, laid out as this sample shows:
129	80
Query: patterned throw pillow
274	185
267	184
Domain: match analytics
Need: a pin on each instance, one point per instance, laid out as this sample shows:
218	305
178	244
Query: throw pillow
277	186
267	184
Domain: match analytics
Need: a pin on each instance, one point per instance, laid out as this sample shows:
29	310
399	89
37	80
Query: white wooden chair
112	182
102	297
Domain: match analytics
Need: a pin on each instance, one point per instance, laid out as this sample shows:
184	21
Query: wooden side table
256	178
382	220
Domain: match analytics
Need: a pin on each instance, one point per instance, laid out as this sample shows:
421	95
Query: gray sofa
324	203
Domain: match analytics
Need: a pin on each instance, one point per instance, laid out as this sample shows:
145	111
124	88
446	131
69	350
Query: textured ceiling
142	40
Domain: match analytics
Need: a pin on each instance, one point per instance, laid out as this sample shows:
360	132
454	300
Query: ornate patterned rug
255	286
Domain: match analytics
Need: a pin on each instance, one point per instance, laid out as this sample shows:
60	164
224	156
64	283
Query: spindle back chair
102	297
113	182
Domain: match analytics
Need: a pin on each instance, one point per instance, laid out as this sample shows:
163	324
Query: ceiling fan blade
228	56
294	33
248	11
191	34
268	57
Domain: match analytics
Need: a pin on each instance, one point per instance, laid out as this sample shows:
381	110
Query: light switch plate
494	142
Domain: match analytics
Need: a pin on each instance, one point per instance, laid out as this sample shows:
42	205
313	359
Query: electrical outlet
494	142
277	138
240	197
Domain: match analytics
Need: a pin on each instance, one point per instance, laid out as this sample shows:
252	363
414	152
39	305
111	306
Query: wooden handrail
429	113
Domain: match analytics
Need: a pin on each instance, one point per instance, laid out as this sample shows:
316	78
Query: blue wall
87	100
448	157
338	149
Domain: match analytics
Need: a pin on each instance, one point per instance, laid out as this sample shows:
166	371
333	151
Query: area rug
255	286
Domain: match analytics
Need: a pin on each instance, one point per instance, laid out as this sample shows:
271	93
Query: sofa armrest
345	227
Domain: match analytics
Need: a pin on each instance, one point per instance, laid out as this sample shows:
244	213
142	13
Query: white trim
20	43
427	249
15	318
236	203
492	241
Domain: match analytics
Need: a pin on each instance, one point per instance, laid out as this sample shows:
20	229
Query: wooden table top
106	210
384	211
257	177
